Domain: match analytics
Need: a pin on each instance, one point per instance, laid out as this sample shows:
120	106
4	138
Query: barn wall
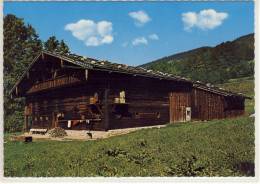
179	102
143	109
64	100
206	105
234	106
147	101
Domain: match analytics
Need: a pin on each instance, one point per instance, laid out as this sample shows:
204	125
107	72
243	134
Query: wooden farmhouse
78	93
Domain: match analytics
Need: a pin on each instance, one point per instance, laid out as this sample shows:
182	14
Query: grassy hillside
231	59
215	148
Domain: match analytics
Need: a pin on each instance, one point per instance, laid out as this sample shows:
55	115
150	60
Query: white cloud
92	33
142	40
153	37
139	41
205	19
140	17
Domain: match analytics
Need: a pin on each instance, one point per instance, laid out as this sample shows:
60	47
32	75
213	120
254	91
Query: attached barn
74	92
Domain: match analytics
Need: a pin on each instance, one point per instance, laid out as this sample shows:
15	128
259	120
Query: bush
14	122
57	132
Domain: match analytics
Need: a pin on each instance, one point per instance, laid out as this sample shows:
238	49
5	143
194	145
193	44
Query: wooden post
26	112
16	90
86	74
54	122
170	107
25	123
106	110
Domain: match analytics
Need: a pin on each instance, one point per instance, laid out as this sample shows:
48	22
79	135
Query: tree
54	45
63	47
51	44
21	45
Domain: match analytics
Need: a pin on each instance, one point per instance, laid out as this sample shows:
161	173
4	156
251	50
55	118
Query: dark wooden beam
42	56
16	90
86	74
106	110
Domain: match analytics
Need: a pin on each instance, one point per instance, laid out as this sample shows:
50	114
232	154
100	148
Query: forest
228	60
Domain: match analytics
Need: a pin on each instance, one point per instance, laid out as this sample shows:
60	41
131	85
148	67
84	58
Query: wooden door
179	101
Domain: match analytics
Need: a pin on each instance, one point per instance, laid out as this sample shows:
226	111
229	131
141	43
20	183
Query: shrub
58	132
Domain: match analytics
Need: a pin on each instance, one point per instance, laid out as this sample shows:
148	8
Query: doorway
180	110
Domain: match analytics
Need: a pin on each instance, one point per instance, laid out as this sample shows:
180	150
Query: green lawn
213	148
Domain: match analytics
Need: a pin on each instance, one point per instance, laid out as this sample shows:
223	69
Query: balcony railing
53	83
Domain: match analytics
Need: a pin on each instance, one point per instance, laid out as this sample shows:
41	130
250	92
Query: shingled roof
90	63
104	65
217	90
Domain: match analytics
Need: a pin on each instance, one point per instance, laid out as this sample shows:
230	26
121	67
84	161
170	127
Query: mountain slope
231	59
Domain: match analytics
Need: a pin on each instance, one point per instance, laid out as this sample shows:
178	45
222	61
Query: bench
38	131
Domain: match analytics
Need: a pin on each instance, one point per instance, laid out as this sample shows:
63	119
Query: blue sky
134	33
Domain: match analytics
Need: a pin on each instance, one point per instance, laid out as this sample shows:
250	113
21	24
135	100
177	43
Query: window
122	97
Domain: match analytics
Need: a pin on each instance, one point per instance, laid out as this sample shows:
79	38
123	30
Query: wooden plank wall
143	111
234	106
207	105
63	100
178	103
147	99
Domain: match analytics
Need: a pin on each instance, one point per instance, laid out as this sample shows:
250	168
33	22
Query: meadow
212	148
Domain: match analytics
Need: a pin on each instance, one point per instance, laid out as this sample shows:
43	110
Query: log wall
179	101
206	105
146	99
67	92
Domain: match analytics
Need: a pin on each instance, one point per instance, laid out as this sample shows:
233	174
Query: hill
231	59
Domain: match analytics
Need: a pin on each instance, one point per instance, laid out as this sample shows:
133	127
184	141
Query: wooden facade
207	105
69	93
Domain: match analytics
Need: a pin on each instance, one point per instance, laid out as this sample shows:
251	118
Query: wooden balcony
54	83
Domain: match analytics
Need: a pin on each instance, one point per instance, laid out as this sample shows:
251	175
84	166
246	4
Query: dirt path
83	134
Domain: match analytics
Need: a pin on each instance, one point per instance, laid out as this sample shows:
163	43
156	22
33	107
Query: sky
135	33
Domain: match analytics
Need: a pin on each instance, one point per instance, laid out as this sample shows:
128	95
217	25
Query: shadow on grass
247	168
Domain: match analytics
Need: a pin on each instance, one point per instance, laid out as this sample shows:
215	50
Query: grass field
213	148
